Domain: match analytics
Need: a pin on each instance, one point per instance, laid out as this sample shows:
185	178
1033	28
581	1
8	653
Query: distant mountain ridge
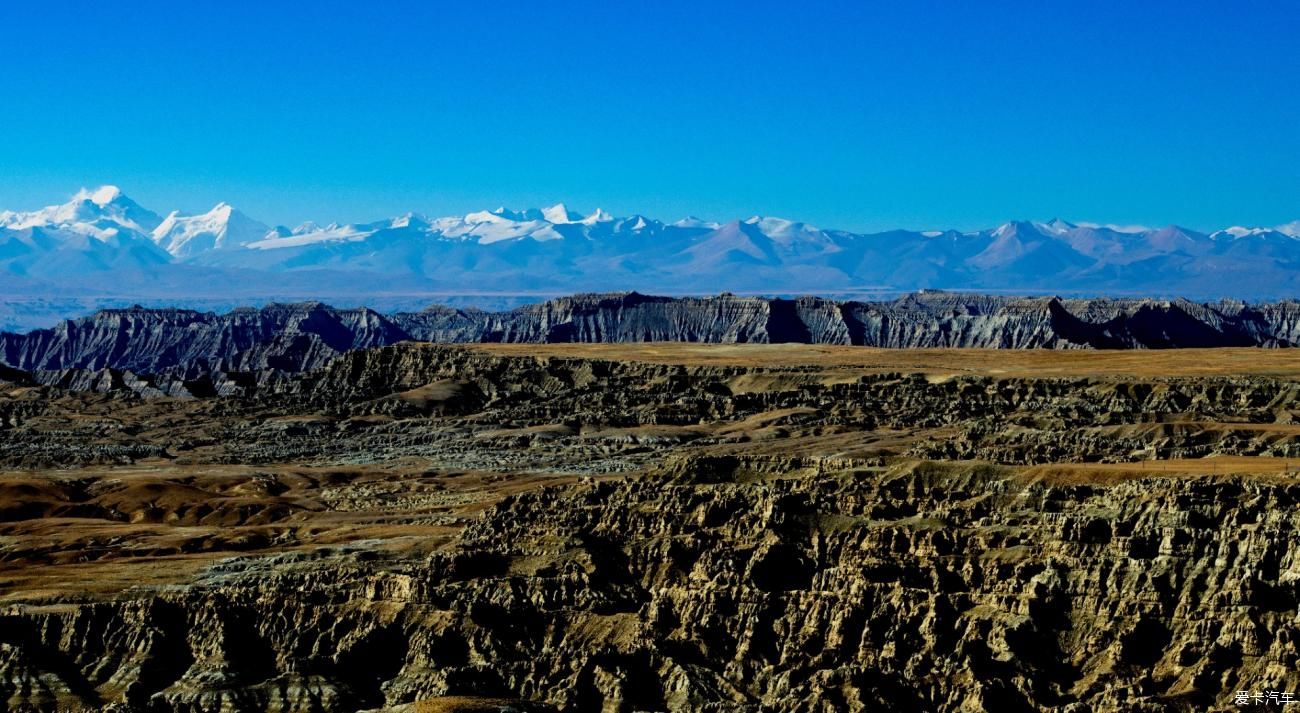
181	346
103	243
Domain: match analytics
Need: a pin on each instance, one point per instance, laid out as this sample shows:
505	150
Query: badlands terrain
649	527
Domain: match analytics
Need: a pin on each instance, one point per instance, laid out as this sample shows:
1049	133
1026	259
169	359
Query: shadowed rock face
925	589
450	529
188	345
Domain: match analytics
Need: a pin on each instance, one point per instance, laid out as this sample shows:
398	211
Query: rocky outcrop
185	343
930	319
713	586
376	402
179	345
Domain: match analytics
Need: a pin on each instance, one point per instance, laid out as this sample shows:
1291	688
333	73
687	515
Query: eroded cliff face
184	343
438	528
180	345
729	585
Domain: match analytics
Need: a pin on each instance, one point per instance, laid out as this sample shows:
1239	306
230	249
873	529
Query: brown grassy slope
1041	363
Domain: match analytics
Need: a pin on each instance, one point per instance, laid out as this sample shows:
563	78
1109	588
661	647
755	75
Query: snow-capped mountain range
103	241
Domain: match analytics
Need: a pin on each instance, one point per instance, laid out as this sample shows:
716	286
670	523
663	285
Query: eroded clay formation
422	527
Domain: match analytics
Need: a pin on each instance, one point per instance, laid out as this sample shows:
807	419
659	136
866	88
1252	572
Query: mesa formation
652	527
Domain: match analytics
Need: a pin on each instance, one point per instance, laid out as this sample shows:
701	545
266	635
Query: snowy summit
102	232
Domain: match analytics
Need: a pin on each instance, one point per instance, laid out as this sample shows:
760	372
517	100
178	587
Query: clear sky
852	115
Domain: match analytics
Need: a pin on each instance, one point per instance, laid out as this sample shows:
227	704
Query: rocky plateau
185	352
652	527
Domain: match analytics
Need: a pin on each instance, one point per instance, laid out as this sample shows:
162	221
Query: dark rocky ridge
188	345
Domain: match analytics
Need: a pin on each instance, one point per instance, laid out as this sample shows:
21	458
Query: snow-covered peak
223	227
489	216
691	221
101	196
408	220
104	219
1131	229
1056	226
333	232
1238	232
101	213
1006	229
599	216
783	229
559	214
1031	229
517	216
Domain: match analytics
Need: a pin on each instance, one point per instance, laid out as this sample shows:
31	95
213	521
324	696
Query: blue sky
852	115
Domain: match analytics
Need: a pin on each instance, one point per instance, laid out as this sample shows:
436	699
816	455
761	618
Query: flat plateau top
1283	363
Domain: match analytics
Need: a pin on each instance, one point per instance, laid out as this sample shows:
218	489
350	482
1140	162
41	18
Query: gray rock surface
187	345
